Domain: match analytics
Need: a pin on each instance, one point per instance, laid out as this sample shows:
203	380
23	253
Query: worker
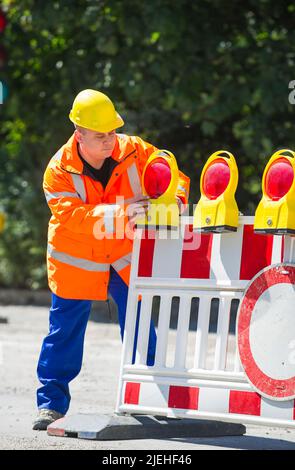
82	183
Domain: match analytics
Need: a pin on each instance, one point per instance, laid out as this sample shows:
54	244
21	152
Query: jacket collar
71	162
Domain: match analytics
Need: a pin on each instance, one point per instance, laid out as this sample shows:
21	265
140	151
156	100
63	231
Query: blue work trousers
62	350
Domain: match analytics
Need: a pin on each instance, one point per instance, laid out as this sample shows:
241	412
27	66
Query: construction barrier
191	272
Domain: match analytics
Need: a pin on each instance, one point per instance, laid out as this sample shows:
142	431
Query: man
86	259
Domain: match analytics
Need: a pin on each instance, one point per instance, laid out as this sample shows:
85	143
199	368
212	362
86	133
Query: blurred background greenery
189	76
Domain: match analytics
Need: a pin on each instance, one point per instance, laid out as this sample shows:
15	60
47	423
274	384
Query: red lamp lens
157	178
279	179
216	179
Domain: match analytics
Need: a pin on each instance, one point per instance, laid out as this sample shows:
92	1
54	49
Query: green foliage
193	77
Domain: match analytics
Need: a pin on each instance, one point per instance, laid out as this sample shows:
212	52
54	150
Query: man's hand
140	206
137	208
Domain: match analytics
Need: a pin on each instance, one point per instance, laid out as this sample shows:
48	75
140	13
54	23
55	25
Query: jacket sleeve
144	150
69	210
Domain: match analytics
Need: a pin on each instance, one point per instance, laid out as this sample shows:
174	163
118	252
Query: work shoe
44	418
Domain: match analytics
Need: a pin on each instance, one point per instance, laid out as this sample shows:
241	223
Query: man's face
96	145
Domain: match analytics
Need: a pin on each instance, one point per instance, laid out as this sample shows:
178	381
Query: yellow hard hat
94	110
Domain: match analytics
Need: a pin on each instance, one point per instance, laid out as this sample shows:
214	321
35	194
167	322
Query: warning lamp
217	210
216	179
157	178
275	213
3	21
159	182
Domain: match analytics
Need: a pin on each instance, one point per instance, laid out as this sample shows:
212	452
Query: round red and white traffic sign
266	332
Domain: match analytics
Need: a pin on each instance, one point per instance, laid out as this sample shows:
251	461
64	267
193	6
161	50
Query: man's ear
78	135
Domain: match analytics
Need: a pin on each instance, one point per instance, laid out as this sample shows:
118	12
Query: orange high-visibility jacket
78	261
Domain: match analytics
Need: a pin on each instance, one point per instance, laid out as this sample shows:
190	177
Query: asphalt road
94	391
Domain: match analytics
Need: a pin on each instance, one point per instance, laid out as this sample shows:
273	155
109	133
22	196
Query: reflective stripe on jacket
78	260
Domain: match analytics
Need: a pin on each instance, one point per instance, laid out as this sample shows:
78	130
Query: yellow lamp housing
159	181
217	209
275	213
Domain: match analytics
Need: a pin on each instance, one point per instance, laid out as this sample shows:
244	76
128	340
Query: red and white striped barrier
230	259
196	374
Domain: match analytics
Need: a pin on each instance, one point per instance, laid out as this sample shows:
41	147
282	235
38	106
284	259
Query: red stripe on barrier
245	403
146	255
132	393
256	252
183	397
195	262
